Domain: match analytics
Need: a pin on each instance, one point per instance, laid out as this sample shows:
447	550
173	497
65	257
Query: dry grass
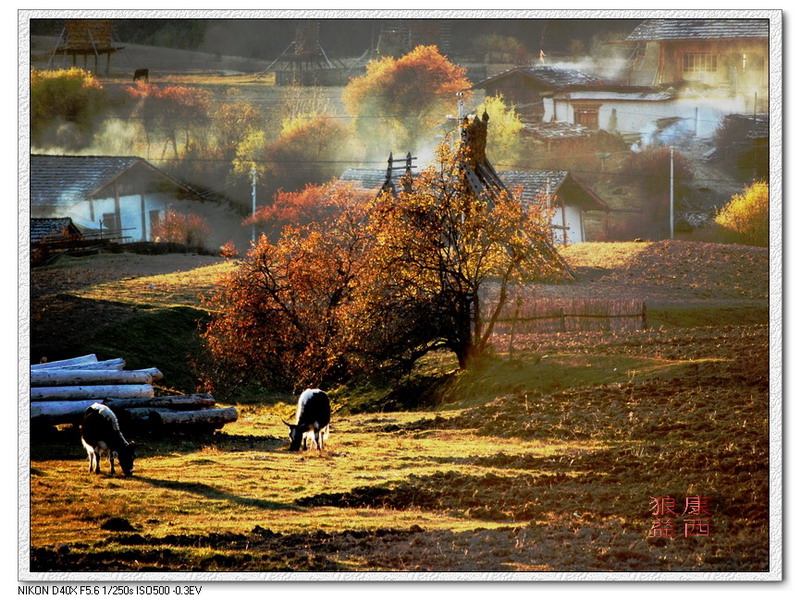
546	460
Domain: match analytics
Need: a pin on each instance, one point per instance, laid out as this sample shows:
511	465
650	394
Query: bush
746	216
180	228
65	106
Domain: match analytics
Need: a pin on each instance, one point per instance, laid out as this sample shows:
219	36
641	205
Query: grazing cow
141	74
313	419
100	433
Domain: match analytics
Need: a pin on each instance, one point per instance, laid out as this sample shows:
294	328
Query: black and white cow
100	433
313	419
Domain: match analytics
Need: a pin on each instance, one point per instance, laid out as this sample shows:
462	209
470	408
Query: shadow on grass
213	493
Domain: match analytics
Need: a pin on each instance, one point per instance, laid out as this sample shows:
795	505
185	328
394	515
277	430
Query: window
752	62
699	62
110	223
587	116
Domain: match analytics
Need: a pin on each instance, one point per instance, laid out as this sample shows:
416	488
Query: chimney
473	138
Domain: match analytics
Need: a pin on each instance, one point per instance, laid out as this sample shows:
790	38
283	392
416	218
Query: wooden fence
523	315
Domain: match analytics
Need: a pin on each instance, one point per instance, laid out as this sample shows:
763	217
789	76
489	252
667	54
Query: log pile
62	390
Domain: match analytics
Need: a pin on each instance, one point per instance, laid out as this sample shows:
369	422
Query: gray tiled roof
699	29
51	228
60	180
65	180
533	183
555	77
370	179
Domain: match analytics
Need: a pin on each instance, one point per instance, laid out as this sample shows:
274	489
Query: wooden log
88	392
64	377
80	360
189	401
114	363
210	417
59	413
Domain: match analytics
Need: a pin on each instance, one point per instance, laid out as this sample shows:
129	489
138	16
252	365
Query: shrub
181	228
66	101
746	216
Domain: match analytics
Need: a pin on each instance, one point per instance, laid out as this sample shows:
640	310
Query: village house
116	197
560	191
526	87
683	78
727	57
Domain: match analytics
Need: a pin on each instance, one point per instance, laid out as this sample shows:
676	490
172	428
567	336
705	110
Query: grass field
548	459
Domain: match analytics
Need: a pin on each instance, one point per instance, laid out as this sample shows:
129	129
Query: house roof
699	29
635	95
58	180
535	184
370	179
553	77
50	229
532	183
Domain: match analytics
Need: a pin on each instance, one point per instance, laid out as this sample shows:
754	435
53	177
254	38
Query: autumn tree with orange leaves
398	101
175	111
283	318
378	285
312	204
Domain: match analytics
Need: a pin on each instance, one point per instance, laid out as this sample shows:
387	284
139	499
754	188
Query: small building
567	197
526	87
48	231
49	236
111	197
728	57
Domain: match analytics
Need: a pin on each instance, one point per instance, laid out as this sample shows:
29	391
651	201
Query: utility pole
253	226
671	193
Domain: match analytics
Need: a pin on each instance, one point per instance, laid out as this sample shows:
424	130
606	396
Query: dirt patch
664	272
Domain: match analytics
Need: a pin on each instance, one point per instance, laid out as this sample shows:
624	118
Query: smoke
114	137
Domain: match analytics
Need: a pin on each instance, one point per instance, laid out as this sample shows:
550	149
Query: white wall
573	222
130	208
701	115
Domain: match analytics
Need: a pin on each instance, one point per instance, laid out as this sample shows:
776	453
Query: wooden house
567	197
725	56
112	197
526	87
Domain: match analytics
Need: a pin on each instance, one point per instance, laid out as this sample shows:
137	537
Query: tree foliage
181	228
66	105
314	203
282	318
504	135
746	216
438	245
400	100
374	285
649	171
173	111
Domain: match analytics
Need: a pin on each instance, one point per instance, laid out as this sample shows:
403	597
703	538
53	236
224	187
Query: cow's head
125	456
295	436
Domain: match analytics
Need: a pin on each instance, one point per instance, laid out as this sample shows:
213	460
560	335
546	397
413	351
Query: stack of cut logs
62	390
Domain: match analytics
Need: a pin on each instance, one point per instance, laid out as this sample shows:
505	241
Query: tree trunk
72	377
92	392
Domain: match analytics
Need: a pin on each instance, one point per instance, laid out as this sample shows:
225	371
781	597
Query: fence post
563	319
518	303
644	315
